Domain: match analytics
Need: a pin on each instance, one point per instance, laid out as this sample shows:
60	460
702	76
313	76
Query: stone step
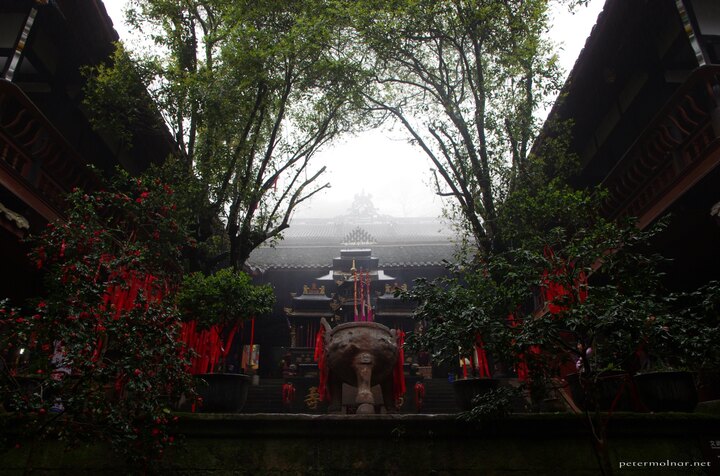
439	397
267	397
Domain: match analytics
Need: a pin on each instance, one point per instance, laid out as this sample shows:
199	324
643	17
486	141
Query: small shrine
355	289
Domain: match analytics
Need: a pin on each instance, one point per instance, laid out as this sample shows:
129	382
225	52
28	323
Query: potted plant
667	390
457	327
685	352
214	308
600	294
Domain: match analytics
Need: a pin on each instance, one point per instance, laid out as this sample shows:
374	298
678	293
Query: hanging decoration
369	316
208	345
399	388
323	370
481	358
363	317
555	292
355	290
419	395
288	394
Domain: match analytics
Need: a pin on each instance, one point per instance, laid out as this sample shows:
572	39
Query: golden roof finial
353	269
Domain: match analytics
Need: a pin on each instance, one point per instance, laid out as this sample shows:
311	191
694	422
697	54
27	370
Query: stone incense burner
361	354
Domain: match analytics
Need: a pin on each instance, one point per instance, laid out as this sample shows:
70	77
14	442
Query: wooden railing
677	149
36	162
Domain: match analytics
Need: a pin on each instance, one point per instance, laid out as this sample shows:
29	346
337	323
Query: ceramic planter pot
608	391
708	385
467	389
672	391
223	393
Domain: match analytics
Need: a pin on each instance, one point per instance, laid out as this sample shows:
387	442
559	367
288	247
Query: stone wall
544	444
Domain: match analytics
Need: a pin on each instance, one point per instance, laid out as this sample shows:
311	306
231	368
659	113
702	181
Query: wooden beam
26	193
686	182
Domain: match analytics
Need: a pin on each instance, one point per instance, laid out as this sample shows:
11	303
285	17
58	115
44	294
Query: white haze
381	162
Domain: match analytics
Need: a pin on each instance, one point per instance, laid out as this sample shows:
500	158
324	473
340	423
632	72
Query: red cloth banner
322	364
419	395
483	367
399	387
208	345
555	292
288	393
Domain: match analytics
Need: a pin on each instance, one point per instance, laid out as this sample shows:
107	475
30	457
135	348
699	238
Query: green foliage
688	334
251	90
464	79
210	245
623	292
116	99
104	357
584	289
494	405
224	297
452	314
555	238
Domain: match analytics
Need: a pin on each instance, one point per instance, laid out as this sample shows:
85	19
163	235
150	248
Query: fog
381	162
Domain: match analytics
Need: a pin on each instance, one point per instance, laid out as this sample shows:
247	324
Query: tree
252	90
464	79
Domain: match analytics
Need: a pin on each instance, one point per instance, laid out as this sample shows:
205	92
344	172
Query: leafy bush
214	307
223	298
103	342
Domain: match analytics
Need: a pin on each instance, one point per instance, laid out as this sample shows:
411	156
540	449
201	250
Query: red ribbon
252	334
399	387
207	344
555	291
288	393
419	395
482	360
322	364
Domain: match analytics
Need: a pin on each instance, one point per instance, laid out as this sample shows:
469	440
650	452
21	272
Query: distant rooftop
397	242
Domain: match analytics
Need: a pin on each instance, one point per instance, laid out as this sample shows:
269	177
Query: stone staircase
267	397
439	397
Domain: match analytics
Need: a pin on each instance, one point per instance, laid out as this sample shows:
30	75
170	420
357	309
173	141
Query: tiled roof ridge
395	244
394	264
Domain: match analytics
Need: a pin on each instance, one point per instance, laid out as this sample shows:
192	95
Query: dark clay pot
601	392
708	385
672	391
223	393
467	389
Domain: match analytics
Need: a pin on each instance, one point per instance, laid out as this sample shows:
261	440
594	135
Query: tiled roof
394	255
383	230
399	242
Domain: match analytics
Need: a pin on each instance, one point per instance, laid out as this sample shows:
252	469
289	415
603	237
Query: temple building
46	139
344	269
644	101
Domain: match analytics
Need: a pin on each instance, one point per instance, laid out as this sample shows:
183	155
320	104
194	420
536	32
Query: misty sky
381	162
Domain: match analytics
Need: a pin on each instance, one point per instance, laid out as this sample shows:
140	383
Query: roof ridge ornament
359	236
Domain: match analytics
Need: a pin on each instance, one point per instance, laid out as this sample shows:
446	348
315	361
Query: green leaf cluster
116	99
224	297
614	314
